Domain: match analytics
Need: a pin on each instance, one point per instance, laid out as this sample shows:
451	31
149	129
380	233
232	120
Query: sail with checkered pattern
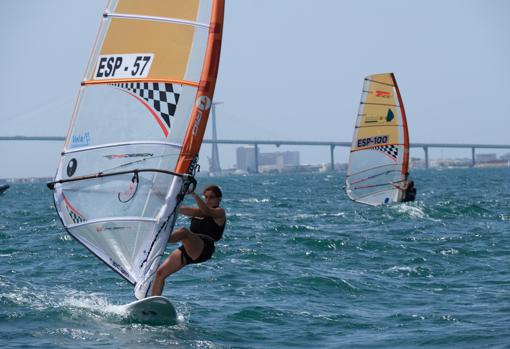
379	156
135	133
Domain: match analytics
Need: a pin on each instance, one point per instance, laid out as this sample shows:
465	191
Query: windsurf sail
135	133
379	157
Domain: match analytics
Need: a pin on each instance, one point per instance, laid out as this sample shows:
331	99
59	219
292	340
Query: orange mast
203	100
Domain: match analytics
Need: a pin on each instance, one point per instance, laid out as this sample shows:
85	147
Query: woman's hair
215	189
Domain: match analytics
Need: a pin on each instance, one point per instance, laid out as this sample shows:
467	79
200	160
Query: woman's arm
401	185
217	212
190	211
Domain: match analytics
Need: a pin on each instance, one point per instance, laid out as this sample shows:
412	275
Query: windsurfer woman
207	224
407	189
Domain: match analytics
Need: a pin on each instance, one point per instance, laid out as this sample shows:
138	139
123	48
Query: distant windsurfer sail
377	172
132	147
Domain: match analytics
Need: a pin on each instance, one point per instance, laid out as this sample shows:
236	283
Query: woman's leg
171	265
193	244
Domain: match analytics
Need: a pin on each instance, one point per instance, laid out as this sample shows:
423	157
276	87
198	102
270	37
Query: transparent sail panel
119	242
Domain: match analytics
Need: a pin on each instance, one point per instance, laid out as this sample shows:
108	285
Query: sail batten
129	158
113	219
375	125
375	147
111	145
158	19
379	153
130	80
389	105
379	82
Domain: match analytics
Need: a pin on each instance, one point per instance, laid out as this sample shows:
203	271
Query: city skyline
289	161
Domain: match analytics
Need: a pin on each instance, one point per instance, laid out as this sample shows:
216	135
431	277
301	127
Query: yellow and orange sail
379	157
137	128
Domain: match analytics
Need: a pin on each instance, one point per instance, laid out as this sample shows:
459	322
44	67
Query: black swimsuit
410	194
207	229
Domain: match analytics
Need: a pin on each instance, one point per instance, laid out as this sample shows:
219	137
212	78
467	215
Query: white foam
255	200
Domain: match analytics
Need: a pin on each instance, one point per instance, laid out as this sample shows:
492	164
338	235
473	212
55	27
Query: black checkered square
162	97
76	218
389	149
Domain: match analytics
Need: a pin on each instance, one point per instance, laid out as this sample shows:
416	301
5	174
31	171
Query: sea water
300	266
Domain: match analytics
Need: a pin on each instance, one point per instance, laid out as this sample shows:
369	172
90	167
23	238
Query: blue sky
290	69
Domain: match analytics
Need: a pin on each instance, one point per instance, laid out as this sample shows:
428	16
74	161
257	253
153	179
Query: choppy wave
300	266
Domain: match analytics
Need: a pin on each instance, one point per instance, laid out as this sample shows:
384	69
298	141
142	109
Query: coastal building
245	158
481	158
267	162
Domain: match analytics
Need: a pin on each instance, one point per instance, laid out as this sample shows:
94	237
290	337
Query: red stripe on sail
156	116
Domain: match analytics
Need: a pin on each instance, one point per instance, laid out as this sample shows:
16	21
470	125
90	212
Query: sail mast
203	101
405	164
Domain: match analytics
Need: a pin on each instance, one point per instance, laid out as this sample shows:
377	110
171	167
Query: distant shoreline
228	173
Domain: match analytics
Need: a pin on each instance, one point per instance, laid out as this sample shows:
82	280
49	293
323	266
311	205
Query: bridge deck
332	145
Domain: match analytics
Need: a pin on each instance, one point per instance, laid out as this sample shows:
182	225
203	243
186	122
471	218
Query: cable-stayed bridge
257	142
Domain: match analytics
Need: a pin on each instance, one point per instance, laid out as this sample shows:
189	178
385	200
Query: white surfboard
155	309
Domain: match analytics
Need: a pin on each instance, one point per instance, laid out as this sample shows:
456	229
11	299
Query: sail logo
369	141
382	94
203	104
80	140
119	267
103	228
372	119
71	167
123	156
390	115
